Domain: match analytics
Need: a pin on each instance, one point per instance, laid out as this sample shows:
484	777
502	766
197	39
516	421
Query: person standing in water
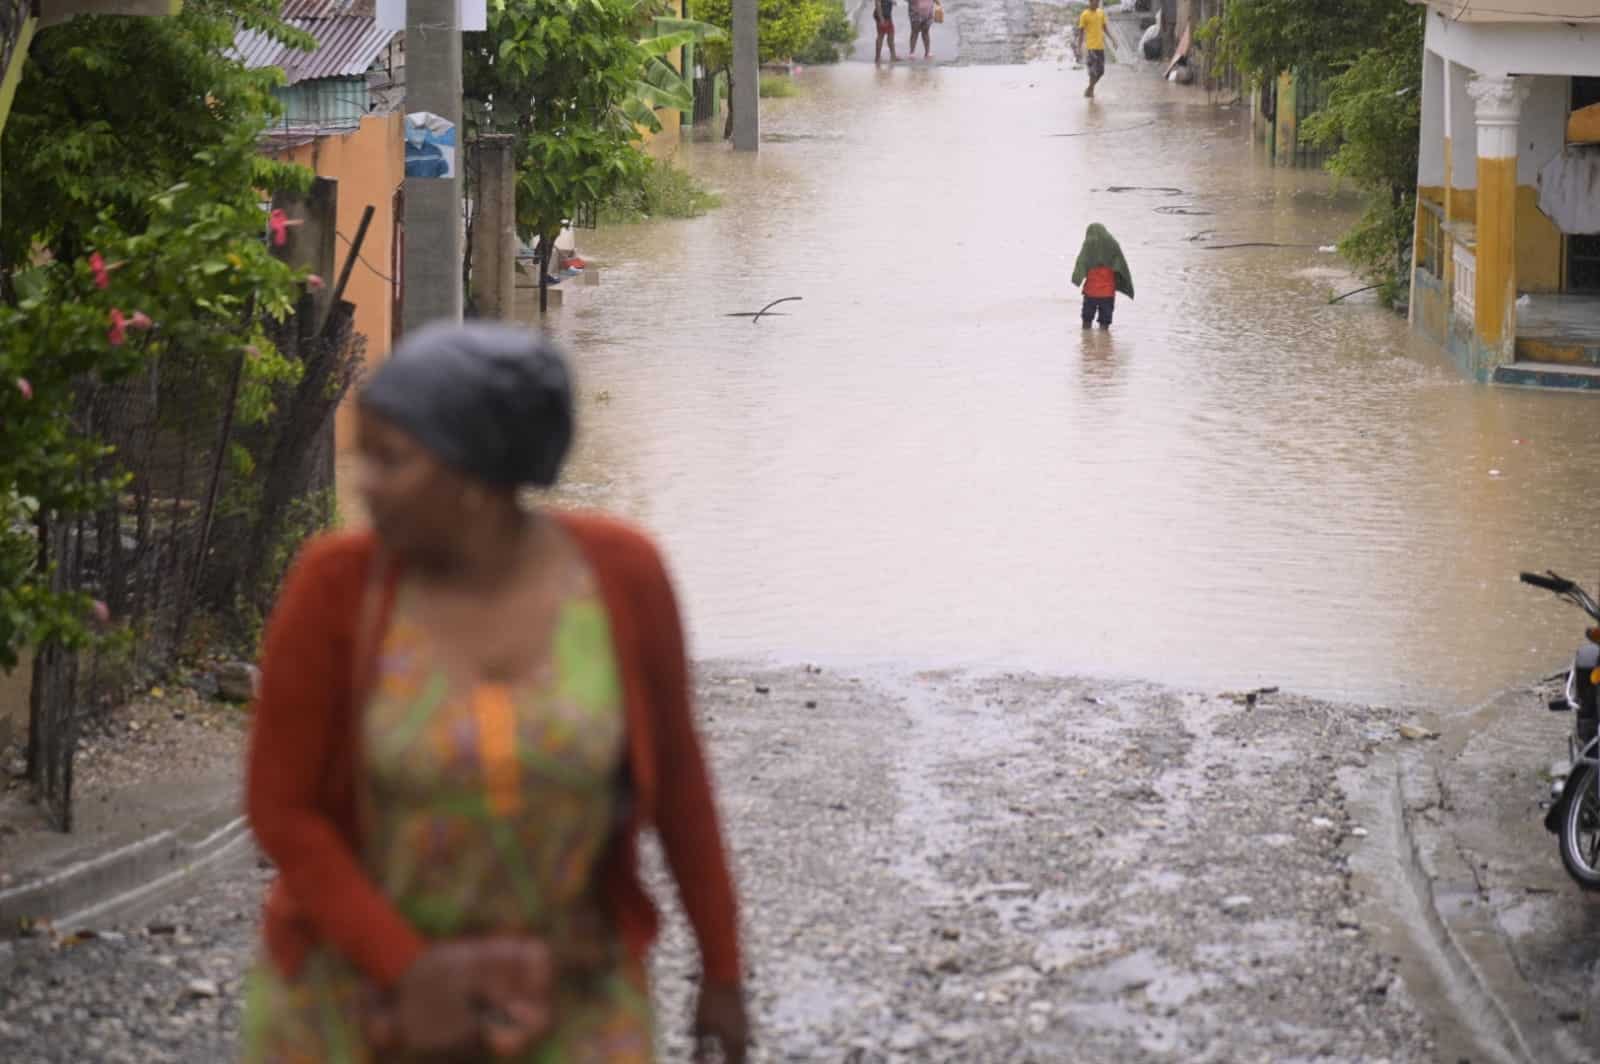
883	16
921	24
1091	37
1102	272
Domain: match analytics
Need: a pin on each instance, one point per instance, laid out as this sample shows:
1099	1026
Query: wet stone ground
1015	868
934	867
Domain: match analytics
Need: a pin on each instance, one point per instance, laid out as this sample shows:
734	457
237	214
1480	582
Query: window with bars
1430	238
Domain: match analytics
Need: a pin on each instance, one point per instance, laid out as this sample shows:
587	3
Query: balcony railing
1466	285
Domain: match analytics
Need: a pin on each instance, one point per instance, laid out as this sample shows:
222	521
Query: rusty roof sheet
347	44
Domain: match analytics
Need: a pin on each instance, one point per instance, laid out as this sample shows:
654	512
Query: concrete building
1506	272
342	121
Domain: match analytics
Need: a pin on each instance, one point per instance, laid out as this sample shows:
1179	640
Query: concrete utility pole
433	204
746	77
494	227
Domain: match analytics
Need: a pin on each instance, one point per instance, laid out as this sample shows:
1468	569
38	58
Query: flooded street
1148	696
928	460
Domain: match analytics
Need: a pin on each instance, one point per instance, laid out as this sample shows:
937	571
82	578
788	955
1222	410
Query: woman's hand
720	1022
461	997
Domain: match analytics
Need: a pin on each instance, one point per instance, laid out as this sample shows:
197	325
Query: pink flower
140	321
100	611
279	223
314	283
24	387
102	276
119	328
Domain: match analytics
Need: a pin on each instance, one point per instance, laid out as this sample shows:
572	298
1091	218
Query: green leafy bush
661	190
833	40
778	87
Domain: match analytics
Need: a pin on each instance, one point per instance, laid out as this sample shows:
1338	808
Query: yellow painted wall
1539	247
369	165
665	143
1286	132
1583	127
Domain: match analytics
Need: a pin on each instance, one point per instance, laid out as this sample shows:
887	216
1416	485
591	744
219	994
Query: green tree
130	226
661	84
784	27
1263	38
1371	51
558	76
1374	118
834	38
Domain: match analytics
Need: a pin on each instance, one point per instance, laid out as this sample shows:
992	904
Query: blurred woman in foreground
466	717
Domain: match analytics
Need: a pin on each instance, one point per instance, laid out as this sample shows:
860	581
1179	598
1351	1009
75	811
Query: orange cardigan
303	759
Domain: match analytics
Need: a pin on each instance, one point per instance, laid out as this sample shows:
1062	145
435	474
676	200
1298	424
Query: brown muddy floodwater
928	461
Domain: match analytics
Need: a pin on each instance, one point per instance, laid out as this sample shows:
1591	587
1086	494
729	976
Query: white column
1498	102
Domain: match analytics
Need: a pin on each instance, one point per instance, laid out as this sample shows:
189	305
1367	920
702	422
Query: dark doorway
1583	263
1583	252
1585	91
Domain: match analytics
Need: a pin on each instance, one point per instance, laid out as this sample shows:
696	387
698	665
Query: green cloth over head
1100	248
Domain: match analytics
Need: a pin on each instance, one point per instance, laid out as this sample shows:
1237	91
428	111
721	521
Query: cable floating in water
765	311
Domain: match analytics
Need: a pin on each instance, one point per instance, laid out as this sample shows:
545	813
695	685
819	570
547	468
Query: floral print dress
486	809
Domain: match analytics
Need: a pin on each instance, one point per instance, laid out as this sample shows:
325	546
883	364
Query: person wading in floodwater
883	16
1091	37
921	24
1102	272
466	718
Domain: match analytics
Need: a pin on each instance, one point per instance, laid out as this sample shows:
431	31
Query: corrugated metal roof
298	9
347	44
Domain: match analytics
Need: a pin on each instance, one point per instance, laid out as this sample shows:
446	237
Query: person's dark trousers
1101	305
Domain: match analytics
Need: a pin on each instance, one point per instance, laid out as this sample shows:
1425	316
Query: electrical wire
376	272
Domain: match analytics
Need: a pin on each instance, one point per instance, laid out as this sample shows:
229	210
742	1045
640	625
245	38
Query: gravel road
934	867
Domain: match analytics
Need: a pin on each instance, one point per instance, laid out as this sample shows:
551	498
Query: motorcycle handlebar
1558	584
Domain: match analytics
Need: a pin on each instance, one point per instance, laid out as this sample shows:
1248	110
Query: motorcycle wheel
1580	832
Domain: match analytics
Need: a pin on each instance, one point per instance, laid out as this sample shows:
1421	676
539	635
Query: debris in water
1237	904
755	316
1417	733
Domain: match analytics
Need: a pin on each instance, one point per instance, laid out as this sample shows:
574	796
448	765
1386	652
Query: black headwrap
494	401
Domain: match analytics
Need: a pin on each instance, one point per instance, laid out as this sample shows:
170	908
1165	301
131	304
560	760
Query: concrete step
1568	351
1549	375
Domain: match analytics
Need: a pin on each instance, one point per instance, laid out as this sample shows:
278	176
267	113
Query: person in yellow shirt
1091	37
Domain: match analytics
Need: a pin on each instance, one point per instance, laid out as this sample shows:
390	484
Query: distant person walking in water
1102	272
883	15
921	23
1091	37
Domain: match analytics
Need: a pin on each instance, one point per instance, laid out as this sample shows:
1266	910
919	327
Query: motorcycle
1574	813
